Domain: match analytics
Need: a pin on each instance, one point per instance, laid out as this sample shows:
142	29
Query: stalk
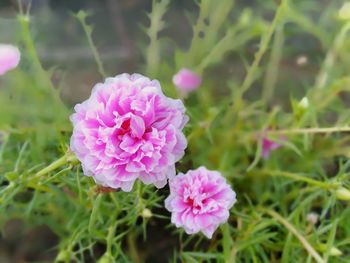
308	130
297	177
69	157
296	233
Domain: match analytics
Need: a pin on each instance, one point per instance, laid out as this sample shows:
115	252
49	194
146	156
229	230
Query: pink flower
199	201
9	58
186	80
129	129
268	146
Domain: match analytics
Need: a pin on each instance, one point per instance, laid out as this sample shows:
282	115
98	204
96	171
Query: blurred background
119	37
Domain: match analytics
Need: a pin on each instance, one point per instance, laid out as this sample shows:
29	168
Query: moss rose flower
199	201
128	129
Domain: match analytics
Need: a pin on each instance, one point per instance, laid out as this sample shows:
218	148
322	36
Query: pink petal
186	80
9	58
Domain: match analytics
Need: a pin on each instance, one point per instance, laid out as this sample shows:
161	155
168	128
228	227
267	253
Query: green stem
273	66
27	39
69	157
131	240
44	79
308	130
264	132
252	71
81	15
296	233
159	9
222	46
322	77
297	177
110	237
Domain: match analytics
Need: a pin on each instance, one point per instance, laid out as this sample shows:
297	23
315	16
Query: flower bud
146	213
333	251
63	255
304	103
9	58
186	80
301	60
300	107
342	194
106	258
246	17
312	218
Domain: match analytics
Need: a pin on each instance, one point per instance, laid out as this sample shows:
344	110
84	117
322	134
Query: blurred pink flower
199	201
268	146
129	129
186	80
9	58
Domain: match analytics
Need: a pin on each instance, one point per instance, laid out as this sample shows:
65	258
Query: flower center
195	205
124	128
126	124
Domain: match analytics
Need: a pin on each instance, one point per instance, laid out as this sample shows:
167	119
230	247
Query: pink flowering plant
233	131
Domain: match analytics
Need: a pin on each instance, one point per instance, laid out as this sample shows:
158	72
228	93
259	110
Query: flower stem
324	185
69	157
271	76
131	241
296	233
323	76
81	16
43	80
252	70
309	130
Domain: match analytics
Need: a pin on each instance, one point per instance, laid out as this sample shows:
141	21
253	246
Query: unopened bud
304	103
106	258
301	60
342	194
63	255
146	213
333	251
312	218
246	17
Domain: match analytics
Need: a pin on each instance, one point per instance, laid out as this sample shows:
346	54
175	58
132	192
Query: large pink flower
9	58
199	201
129	129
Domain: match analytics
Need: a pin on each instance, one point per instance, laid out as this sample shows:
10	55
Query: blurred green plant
308	174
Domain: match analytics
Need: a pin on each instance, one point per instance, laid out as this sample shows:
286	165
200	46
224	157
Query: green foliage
81	16
307	113
157	24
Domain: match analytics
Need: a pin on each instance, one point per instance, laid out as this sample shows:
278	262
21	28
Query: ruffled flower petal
199	201
128	129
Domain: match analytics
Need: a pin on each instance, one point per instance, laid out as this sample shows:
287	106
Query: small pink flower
9	58
186	80
128	129
199	201
268	146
